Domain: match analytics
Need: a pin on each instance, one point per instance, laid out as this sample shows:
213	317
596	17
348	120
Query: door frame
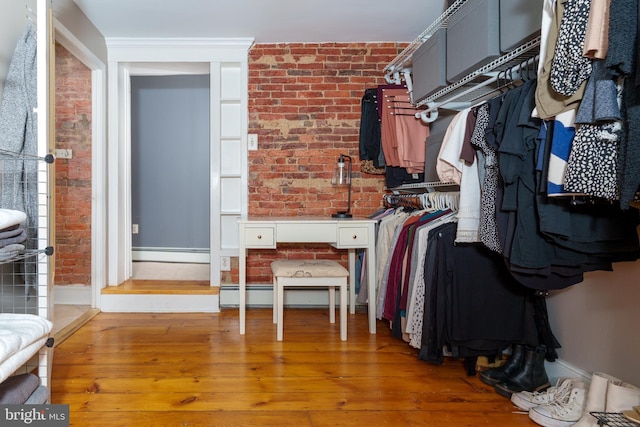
123	55
98	159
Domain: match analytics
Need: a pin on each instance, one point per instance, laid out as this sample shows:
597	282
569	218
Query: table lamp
342	176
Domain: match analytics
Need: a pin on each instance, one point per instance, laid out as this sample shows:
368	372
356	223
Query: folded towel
16	390
14	230
10	217
39	397
10	251
19	238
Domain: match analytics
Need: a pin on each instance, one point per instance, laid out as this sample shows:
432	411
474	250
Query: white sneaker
526	400
561	413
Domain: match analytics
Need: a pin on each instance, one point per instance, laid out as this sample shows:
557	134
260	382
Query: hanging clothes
18	135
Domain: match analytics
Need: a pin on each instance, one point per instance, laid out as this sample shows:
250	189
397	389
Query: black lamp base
341	215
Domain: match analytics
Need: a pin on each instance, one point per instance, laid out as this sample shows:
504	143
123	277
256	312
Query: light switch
252	141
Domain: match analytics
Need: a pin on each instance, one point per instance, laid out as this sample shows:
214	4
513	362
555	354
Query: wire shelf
613	419
24	247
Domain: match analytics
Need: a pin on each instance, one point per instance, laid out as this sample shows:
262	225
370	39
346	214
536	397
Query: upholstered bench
310	273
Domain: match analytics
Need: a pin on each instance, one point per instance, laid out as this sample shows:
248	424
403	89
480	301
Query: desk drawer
353	237
301	232
259	237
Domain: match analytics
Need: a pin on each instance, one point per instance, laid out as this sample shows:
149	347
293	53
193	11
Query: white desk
350	234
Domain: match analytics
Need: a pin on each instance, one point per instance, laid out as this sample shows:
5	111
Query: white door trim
98	156
126	56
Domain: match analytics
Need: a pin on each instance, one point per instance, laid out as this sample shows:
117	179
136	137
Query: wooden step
163	287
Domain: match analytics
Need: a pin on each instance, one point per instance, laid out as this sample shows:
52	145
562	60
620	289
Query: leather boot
596	398
531	377
513	364
622	397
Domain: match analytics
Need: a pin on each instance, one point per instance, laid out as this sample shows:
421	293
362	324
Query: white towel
11	217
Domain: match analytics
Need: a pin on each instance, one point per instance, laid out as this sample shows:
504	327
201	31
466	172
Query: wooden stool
310	273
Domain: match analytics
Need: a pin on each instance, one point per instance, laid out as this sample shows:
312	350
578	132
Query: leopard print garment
569	68
488	228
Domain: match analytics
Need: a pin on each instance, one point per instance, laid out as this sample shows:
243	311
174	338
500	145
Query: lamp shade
342	176
342	172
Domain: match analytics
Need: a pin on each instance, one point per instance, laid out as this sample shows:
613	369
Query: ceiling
267	21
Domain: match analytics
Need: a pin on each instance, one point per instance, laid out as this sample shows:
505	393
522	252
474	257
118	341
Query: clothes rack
480	83
431	201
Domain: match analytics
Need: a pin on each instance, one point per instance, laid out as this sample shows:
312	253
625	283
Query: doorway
79	211
170	185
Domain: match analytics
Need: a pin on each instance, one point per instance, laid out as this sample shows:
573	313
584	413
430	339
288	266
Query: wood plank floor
196	370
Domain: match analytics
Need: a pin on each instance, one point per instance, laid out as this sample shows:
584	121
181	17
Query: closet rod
492	70
430	185
506	74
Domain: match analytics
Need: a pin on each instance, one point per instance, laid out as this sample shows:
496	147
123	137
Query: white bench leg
275	300
343	312
332	304
280	311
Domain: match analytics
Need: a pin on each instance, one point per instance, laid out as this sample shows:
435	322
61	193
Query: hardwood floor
196	370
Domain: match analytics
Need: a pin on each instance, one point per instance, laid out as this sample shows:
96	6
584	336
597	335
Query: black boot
496	375
532	376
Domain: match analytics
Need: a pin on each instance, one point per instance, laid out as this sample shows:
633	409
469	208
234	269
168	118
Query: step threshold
163	287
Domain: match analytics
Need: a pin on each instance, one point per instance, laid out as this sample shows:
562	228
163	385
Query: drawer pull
354	237
259	236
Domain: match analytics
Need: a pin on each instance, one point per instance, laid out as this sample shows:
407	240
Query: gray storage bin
520	21
429	66
473	37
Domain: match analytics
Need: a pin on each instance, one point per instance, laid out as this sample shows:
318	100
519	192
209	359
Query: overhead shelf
474	86
485	80
403	61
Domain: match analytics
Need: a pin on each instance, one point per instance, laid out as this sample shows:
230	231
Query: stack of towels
23	389
12	233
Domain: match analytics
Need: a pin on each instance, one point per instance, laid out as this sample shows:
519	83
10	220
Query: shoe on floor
561	413
526	400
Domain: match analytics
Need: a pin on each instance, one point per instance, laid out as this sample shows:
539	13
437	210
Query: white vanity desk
349	233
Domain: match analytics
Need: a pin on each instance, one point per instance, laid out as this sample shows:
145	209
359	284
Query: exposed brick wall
73	176
304	103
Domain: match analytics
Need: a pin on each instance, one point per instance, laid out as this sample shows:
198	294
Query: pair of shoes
562	412
607	394
509	368
530	377
526	400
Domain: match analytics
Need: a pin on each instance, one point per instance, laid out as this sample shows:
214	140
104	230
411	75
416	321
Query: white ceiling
267	21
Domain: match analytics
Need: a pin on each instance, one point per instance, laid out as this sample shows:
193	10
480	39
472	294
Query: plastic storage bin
473	37
429	66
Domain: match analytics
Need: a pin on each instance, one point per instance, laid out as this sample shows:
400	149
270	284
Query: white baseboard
72	294
170	256
561	368
146	303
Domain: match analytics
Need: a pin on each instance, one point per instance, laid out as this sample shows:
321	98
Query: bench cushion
308	268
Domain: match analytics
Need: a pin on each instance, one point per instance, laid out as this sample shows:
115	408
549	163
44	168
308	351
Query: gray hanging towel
18	134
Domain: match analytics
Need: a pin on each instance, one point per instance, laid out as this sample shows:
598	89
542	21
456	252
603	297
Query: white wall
598	322
77	23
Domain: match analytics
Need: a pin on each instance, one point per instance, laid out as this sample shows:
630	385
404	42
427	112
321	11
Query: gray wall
598	322
170	161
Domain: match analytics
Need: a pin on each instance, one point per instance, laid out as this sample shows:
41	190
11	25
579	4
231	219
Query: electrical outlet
63	153
225	263
134	228
252	141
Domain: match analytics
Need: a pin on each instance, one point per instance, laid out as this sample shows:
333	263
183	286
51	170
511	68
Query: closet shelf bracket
480	83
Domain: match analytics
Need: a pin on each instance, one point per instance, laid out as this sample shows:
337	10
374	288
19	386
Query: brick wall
73	176
304	103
